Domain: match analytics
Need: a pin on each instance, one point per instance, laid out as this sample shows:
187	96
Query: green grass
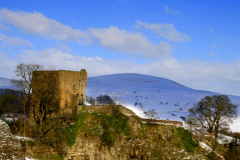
143	129
107	127
139	120
72	131
186	139
56	157
212	155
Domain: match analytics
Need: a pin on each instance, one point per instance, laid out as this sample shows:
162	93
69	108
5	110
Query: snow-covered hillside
5	83
170	99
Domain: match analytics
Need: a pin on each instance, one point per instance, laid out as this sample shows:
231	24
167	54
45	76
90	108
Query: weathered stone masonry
70	86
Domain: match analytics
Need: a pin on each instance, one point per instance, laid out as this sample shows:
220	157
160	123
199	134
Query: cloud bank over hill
219	77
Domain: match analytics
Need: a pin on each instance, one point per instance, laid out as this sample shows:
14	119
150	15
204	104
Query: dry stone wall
106	109
162	121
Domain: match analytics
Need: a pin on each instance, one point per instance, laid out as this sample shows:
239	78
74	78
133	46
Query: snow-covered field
142	92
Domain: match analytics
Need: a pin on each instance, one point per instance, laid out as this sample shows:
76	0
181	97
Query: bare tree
196	127
214	113
25	74
104	100
151	115
90	100
10	103
118	99
45	98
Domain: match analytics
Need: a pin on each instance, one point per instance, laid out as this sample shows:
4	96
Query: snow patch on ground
20	138
235	126
26	158
139	112
223	139
205	146
209	149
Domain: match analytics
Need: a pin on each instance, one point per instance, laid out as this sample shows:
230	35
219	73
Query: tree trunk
25	100
40	126
14	124
24	120
211	130
216	129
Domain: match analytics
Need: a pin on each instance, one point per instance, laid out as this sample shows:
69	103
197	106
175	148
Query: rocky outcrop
132	147
10	147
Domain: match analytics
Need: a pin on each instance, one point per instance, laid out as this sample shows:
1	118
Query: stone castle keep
69	86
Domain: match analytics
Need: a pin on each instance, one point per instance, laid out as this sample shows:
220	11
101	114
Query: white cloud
64	60
14	41
4	27
64	47
198	75
165	30
7	66
126	42
38	24
167	10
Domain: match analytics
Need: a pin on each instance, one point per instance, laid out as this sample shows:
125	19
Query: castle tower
68	87
72	86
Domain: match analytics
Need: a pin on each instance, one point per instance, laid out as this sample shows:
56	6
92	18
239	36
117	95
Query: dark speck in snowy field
183	118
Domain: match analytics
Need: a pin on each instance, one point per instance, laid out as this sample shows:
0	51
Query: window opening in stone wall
81	100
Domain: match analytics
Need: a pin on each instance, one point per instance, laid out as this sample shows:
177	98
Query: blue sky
195	43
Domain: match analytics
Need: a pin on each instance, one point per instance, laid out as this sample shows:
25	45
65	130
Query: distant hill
5	83
137	92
